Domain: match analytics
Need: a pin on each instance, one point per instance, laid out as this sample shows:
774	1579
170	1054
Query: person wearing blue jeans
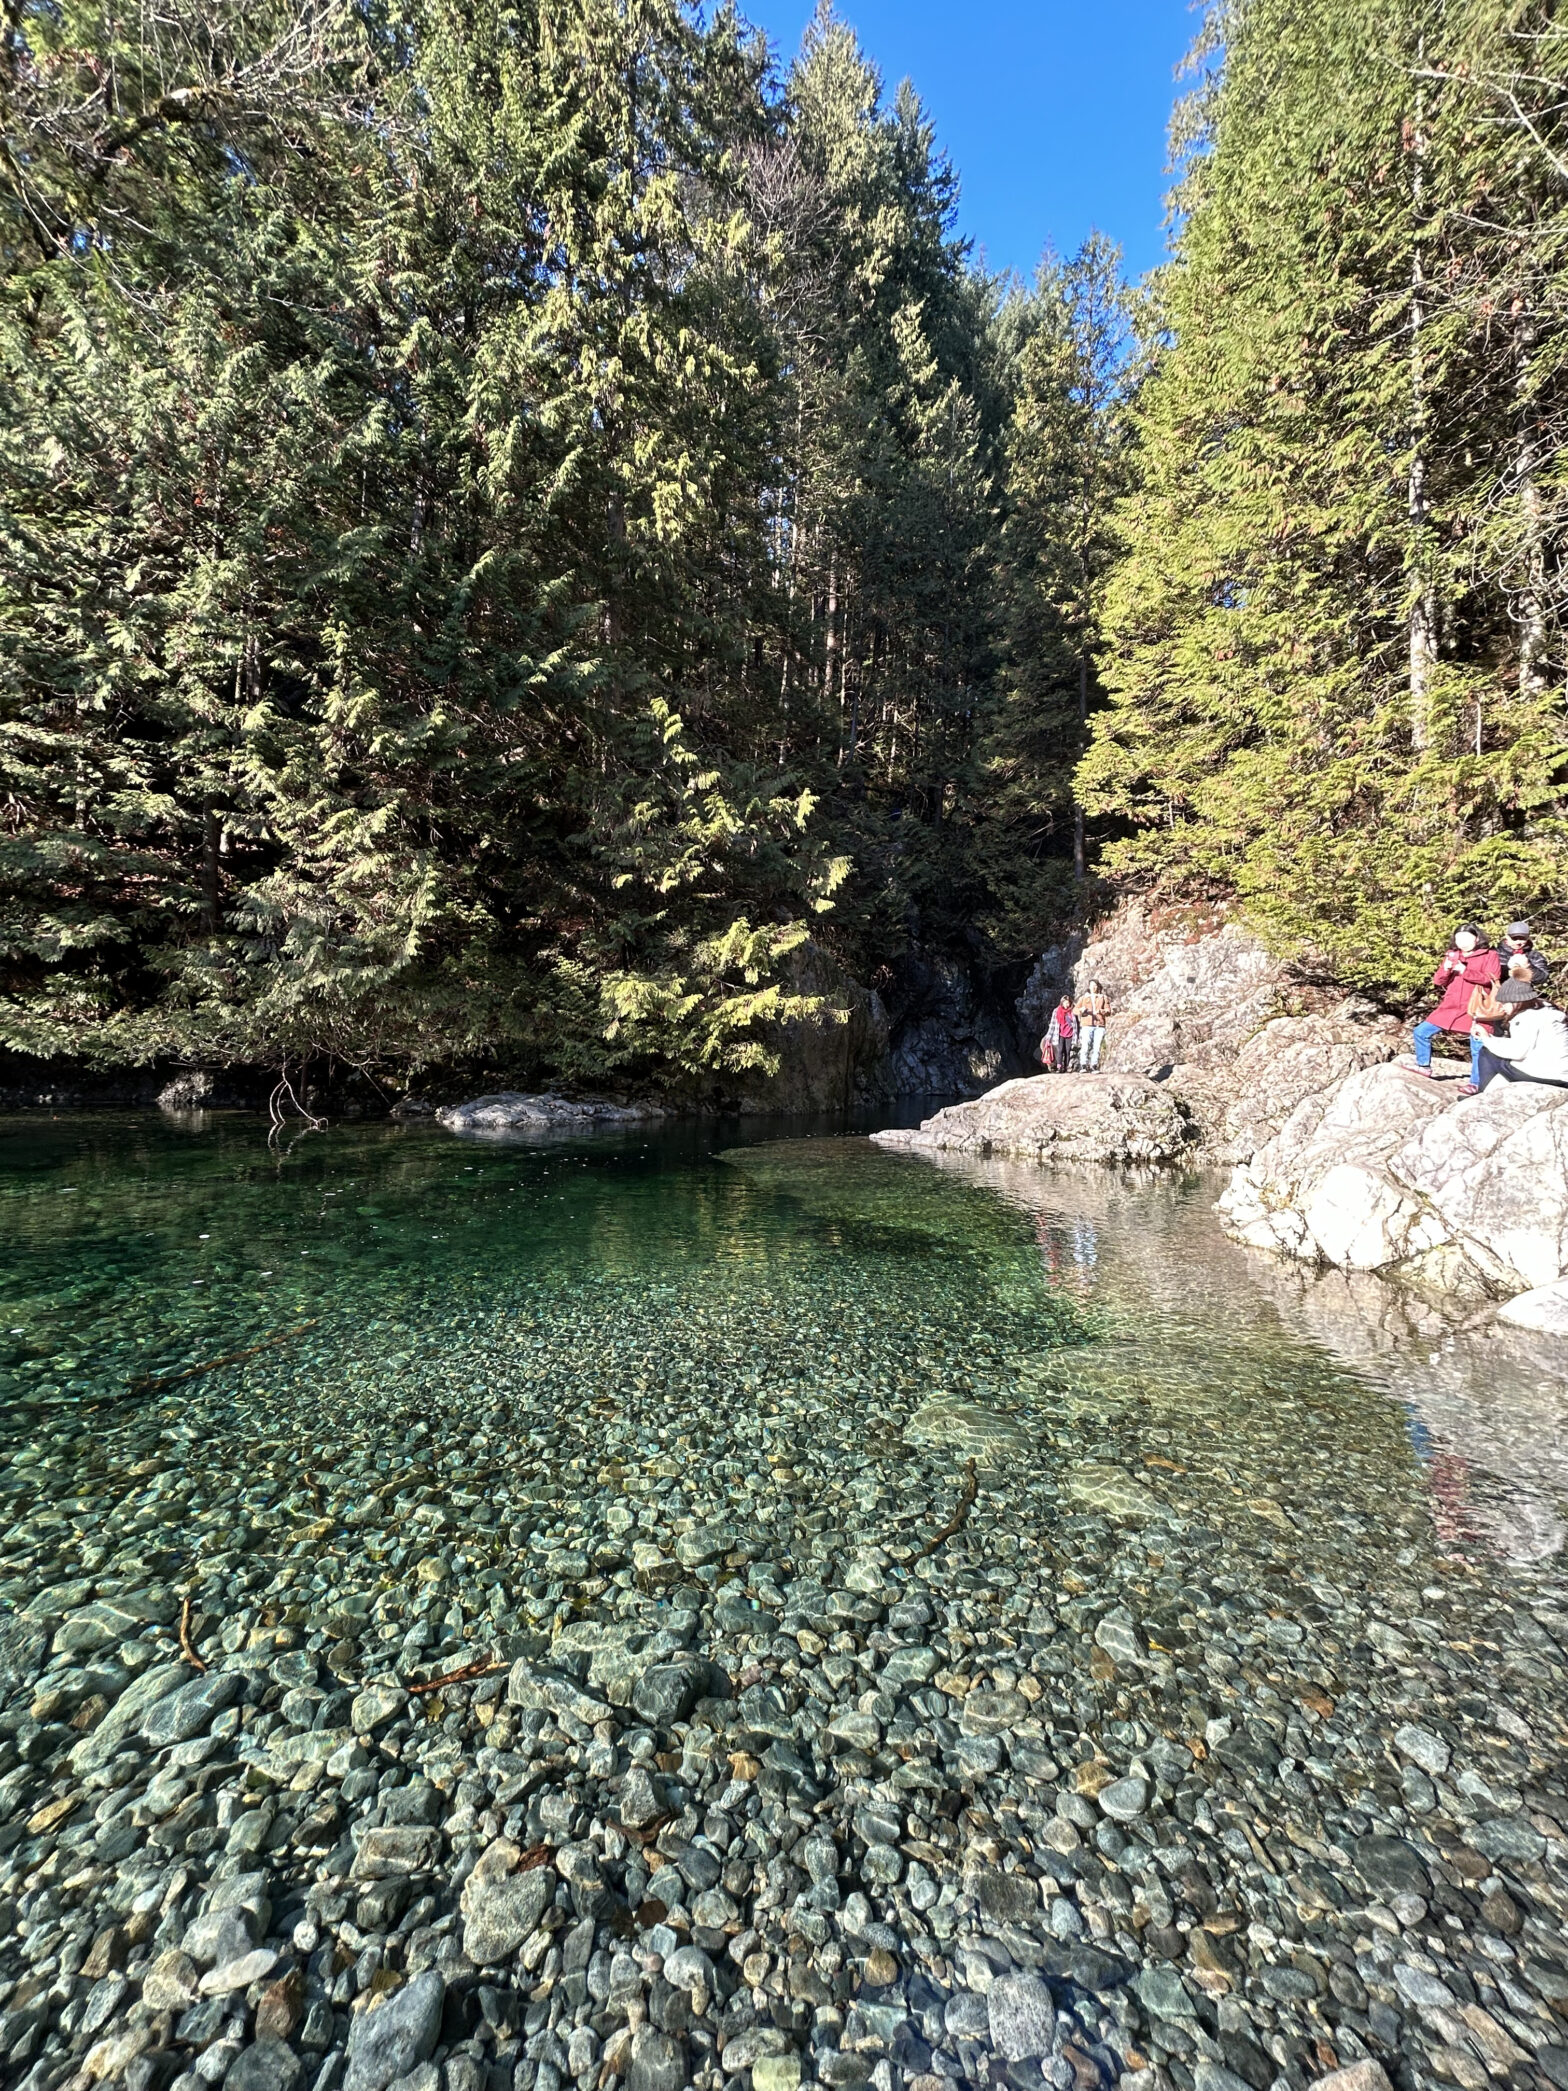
1424	1036
1469	963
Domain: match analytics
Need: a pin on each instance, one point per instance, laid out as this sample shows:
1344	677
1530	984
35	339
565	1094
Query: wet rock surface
1200	1006
585	1702
512	1111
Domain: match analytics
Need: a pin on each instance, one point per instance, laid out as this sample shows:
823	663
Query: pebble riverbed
1218	1746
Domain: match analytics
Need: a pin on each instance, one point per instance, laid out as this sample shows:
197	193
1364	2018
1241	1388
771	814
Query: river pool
917	1620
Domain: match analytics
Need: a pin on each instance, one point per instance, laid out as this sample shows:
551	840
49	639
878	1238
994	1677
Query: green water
692	1293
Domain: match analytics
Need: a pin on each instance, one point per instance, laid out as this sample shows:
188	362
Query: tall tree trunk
830	651
1532	604
1079	855
212	831
1423	599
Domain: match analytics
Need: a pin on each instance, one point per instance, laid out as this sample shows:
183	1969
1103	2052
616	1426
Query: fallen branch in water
468	1672
147	1385
955	1524
186	1648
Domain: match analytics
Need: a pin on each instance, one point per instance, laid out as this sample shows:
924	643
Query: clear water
391	1275
412	1400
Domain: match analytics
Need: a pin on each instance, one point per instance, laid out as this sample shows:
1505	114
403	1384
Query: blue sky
1052	111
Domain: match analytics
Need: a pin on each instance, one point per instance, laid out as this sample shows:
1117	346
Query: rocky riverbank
1388	1171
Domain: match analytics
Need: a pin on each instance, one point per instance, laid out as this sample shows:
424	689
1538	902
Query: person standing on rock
1061	1029
1091	1010
1468	964
1536	1046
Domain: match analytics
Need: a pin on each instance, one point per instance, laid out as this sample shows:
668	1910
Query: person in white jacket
1535	1047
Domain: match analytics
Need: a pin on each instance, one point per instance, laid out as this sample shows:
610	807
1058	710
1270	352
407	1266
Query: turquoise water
371	1278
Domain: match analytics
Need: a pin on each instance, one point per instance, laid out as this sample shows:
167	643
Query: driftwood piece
960	1516
466	1675
187	1649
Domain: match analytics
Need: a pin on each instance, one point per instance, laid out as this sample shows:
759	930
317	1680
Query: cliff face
929	1028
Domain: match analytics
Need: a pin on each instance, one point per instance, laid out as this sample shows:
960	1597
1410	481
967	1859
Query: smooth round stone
1124	1800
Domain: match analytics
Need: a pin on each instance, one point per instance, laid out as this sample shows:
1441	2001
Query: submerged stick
186	1647
956	1523
148	1385
463	1676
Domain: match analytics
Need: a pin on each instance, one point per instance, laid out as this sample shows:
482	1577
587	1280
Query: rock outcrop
1069	1118
1386	1172
1200	1005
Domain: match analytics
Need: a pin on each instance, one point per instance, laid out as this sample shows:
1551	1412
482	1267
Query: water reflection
1484	1406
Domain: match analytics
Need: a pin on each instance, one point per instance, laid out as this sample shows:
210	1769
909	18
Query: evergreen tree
1317	696
1068	464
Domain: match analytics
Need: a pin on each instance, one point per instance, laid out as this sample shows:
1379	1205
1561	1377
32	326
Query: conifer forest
526	537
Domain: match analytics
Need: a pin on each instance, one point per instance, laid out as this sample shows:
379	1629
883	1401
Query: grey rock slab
1214	2076
395	2033
510	1111
658	2062
172	1983
1124	1800
254	1966
23	1647
266	2065
1359	2076
125	1717
1508	1837
968	1429
1007	1898
1426	1992
993	1713
1094	1118
1391	1867
375	1706
695	1549
501	1907
1022	2016
547	1690
668	1691
1119	1637
1162	1992
187	1712
906	1666
1113	1490
221	1935
396	1848
1422	1747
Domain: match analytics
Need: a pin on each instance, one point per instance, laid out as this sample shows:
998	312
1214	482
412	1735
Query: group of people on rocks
1075	1033
1495	996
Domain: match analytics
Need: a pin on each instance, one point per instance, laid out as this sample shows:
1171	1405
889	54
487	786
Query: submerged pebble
547	1676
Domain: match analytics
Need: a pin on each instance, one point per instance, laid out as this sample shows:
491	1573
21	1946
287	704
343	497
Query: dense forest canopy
515	518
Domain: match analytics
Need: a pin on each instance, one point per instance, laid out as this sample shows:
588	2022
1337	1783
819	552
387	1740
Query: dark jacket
1540	971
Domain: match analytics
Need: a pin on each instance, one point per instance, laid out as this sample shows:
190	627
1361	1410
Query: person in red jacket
1469	963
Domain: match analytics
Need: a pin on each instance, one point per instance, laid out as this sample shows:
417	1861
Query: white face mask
1464	941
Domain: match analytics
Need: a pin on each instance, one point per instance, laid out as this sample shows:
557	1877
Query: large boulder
1069	1118
1387	1172
510	1111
